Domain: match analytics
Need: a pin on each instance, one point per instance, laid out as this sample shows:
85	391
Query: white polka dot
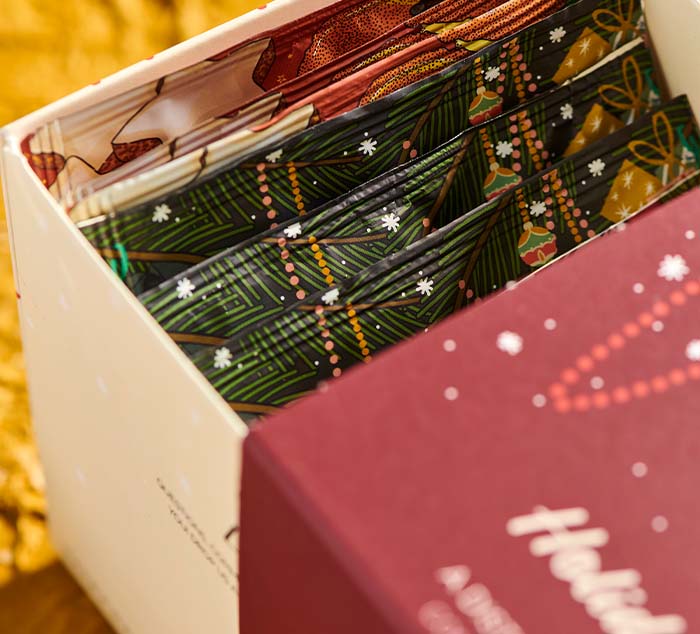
659	524
638	288
550	324
690	234
451	393
101	385
657	326
639	469
539	400
450	345
185	484
597	383
80	475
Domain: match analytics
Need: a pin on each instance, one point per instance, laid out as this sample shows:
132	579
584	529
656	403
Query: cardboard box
142	457
527	466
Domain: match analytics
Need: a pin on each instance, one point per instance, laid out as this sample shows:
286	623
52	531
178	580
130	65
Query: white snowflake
687	156
627	179
331	297
293	230
692	350
510	342
222	358
425	286
537	208
275	156
567	111
557	35
492	73
390	222
585	46
504	149
185	288
673	268
596	168
624	212
596	122
161	213
368	147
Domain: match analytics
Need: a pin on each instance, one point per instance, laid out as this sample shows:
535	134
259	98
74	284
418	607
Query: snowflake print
293	231
596	122
492	73
273	157
504	149
425	286
673	268
624	212
557	35
585	46
162	213
510	343
692	350
567	111
331	297
537	208
185	288
627	179
596	168
222	358
368	147
390	222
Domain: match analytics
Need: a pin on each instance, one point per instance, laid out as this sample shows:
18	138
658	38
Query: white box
119	413
141	454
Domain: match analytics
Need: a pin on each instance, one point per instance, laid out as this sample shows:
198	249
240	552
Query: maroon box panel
531	465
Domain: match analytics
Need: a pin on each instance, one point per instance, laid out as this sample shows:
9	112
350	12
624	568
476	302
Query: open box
142	457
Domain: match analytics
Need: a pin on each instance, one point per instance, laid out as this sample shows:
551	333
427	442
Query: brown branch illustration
150	256
478	248
449	179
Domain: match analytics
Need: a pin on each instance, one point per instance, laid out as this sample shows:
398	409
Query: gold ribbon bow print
629	97
620	22
662	153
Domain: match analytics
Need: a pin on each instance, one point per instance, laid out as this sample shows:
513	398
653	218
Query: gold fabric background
49	49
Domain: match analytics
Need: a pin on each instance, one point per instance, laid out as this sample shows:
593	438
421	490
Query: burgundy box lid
531	465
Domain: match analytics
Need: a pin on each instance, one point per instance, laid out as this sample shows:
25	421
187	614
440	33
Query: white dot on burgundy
657	326
550	324
450	345
659	524
638	288
639	469
539	400
690	234
597	383
451	393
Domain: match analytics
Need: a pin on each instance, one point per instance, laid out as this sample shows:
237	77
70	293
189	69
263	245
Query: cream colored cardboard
142	457
674	26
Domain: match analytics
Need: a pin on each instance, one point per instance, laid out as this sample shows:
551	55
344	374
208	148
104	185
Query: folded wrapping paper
270	273
260	108
280	359
277	183
606	34
104	137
